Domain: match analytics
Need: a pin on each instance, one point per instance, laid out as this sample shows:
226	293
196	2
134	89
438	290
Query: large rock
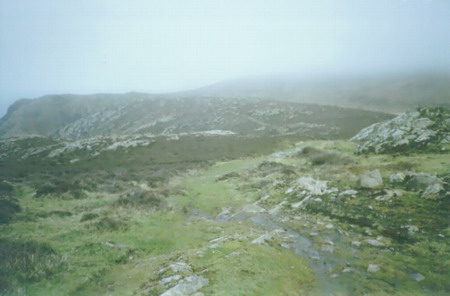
413	131
433	191
371	180
420	181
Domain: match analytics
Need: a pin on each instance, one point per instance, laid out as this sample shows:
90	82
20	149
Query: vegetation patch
61	188
27	261
9	207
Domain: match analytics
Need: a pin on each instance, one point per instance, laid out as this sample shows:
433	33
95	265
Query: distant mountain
79	117
251	106
388	93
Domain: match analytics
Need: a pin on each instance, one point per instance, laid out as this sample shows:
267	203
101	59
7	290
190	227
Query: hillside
80	117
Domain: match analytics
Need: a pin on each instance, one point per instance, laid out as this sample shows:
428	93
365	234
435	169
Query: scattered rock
187	286
371	180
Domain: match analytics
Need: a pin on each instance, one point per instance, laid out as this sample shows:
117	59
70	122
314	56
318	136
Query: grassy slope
154	239
183	232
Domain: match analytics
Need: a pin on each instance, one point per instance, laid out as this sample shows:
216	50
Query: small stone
374	242
347	269
334	275
263	239
349	192
314	187
329	226
289	190
327	248
397	178
253	209
170	279
432	191
417	277
411	228
356	243
373	268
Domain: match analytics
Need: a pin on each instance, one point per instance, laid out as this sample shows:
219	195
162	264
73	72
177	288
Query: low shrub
141	198
88	217
330	158
110	224
6	188
61	188
9	207
26	261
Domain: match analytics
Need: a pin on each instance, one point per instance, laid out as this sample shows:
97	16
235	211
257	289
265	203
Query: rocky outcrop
422	130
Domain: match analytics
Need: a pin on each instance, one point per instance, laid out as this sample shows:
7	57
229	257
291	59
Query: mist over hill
395	92
78	116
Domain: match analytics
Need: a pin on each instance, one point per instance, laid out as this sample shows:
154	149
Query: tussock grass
27	261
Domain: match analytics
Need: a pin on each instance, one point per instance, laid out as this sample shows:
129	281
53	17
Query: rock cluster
413	131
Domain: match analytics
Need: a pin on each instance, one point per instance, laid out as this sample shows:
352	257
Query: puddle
323	263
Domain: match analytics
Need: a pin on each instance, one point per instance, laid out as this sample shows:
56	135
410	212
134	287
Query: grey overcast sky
88	46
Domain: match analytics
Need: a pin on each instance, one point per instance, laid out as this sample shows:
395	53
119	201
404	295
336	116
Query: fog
89	46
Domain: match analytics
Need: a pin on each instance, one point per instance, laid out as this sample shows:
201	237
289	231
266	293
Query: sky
91	46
